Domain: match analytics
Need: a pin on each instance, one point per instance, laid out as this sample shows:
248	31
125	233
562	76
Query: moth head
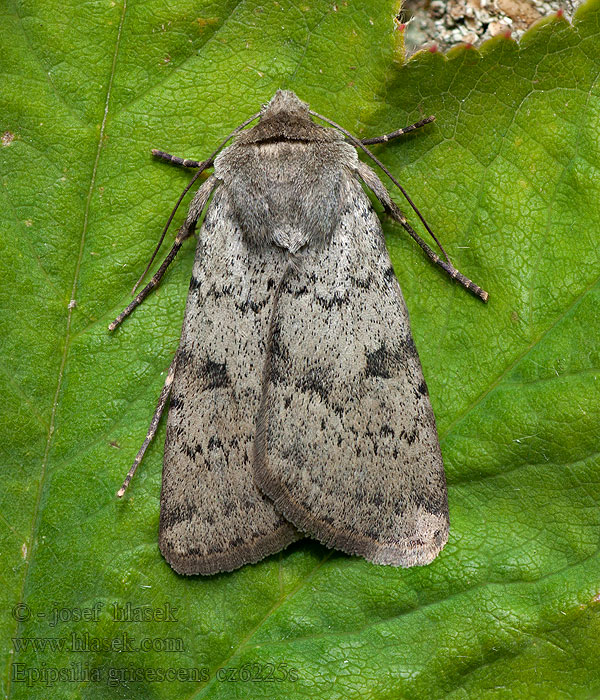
286	118
285	101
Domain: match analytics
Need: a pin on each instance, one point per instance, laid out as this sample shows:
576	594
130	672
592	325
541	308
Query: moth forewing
298	403
213	517
347	446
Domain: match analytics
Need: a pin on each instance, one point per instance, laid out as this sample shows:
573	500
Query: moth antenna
376	160
206	164
372	181
186	230
150	286
202	167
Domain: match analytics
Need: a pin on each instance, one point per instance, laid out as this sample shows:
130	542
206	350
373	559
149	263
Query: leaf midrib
42	482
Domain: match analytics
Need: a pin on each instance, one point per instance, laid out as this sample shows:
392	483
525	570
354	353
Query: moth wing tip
405	558
209	564
409	553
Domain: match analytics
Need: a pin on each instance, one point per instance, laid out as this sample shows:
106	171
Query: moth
297	400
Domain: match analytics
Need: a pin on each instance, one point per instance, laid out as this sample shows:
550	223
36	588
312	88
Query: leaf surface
508	178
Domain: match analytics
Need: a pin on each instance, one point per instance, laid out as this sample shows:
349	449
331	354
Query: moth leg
186	230
162	401
202	167
370	178
203	164
150	286
399	132
182	162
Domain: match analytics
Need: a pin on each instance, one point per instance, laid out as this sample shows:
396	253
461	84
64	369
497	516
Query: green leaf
507	176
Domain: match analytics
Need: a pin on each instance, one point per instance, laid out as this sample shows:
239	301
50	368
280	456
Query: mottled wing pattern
213	517
347	446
